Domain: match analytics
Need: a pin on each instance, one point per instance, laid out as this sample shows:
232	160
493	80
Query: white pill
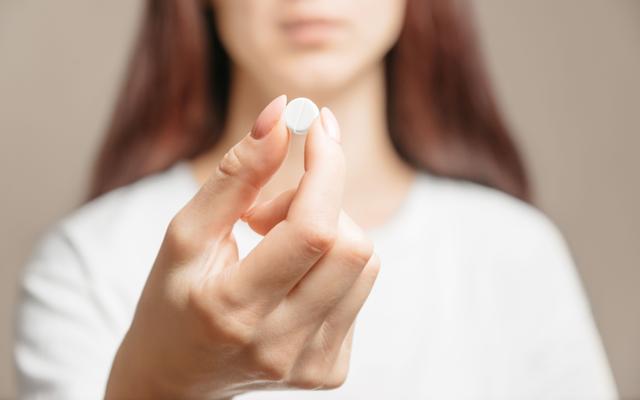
300	114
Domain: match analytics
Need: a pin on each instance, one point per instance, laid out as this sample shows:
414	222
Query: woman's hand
209	325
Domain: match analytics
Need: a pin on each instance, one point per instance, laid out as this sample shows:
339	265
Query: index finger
293	246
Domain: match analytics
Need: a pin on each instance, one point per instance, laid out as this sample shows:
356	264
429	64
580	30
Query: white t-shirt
477	298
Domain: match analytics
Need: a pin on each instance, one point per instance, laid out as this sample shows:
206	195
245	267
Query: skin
209	325
342	70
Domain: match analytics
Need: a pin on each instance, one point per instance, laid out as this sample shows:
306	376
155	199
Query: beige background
566	71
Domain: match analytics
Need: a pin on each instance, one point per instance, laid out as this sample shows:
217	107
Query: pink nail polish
269	117
330	124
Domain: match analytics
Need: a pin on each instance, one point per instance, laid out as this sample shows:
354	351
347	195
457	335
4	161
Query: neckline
401	214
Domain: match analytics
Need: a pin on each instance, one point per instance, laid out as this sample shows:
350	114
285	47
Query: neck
374	170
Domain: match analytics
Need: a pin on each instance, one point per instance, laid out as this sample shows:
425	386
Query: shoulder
131	212
82	280
485	216
492	236
149	200
499	245
118	232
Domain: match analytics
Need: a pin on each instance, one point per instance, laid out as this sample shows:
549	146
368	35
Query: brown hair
442	114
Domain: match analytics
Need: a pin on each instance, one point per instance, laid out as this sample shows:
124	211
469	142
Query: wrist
125	379
135	376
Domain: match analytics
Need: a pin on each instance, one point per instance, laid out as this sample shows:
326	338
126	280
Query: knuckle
230	328
309	379
228	299
359	252
338	375
316	238
272	365
335	381
372	269
232	166
180	235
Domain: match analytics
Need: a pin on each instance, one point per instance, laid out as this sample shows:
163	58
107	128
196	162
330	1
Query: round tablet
300	114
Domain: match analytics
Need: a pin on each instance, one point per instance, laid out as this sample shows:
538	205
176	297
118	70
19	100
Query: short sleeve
63	347
566	355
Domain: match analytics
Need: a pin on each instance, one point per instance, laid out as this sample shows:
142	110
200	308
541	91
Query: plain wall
566	72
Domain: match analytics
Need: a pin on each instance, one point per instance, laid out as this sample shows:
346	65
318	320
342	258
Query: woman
215	263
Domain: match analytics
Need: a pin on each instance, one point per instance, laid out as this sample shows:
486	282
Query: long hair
441	110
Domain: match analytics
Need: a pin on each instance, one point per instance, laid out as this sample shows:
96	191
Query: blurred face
307	46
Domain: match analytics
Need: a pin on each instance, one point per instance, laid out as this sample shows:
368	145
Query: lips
311	30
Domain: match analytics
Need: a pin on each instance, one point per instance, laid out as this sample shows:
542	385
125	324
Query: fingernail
245	216
330	124
269	117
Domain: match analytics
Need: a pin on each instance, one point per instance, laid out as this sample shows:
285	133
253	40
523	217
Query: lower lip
311	33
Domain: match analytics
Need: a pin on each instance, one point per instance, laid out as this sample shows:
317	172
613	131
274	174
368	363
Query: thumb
240	175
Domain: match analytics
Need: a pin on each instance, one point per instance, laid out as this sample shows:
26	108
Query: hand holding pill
281	317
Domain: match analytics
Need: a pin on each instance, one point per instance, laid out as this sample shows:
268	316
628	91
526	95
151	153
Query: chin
314	77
